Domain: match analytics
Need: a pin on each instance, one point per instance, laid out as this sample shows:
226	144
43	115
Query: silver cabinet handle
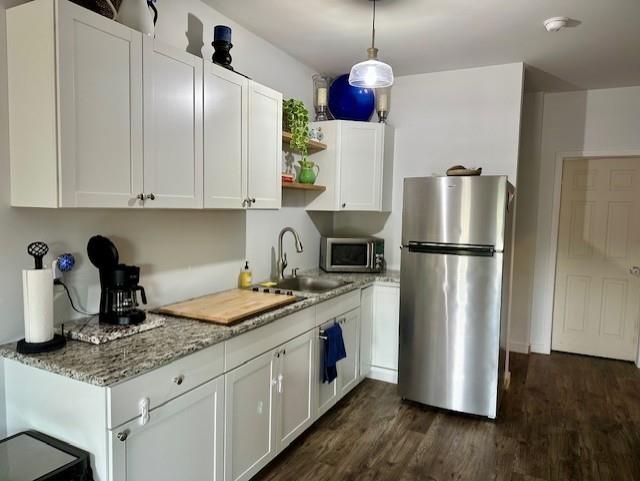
635	271
123	435
179	379
140	196
344	205
150	197
280	378
253	200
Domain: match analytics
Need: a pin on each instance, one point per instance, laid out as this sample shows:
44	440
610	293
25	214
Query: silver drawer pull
178	379
123	435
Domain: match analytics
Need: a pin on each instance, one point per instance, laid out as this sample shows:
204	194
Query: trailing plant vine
296	121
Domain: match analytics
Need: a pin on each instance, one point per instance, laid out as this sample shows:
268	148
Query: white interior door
182	439
361	166
172	127
264	147
225	142
296	388
250	417
597	295
100	84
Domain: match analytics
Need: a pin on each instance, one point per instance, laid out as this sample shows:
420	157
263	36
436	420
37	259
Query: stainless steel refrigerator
454	291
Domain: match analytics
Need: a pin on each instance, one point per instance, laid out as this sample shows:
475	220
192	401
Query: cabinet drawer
240	349
162	384
333	308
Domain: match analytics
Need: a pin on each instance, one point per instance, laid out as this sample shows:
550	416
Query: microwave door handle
371	249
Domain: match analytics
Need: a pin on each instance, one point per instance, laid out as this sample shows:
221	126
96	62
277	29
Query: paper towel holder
58	342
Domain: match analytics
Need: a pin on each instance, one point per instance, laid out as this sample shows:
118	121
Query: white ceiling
417	36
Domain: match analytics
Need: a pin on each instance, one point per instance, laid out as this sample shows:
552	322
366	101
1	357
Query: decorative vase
307	175
140	15
350	103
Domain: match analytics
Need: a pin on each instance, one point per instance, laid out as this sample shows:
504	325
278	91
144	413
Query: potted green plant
296	120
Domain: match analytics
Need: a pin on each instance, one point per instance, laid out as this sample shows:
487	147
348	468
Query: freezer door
450	330
455	210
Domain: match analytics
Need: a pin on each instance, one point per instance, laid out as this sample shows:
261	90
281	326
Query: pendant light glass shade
372	73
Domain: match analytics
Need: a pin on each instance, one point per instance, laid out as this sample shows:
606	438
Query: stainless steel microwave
352	254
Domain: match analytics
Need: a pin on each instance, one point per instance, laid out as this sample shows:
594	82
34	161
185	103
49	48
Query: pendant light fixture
372	73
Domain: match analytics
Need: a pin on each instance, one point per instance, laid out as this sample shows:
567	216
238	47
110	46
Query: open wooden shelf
313	145
296	185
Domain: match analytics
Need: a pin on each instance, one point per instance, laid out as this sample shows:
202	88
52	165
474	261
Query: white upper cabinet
102	116
84	146
172	127
242	142
356	167
265	147
225	143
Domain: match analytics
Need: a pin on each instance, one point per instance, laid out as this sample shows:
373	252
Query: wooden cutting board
229	306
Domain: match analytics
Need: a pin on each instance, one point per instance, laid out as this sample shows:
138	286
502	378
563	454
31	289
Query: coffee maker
118	284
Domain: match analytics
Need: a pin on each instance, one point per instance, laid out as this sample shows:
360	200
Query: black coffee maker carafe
118	284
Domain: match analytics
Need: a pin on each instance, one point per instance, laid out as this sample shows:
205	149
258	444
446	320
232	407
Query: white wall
603	121
526	225
469	117
182	253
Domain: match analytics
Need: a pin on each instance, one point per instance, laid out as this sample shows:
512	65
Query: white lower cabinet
296	388
270	401
348	368
249	419
182	439
384	335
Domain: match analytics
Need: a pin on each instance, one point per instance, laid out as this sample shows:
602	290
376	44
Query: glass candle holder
321	97
383	103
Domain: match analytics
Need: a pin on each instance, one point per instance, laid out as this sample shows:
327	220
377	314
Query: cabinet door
100	110
225	142
172	127
366	321
264	147
327	392
182	439
384	344
348	368
361	166
250	417
296	382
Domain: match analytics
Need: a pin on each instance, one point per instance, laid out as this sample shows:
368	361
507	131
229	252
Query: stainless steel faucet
282	256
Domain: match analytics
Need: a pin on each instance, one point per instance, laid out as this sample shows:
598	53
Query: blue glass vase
350	103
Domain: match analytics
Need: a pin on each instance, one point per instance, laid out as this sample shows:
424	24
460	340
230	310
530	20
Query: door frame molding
549	294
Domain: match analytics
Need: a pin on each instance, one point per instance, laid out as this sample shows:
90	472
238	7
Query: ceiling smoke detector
554	24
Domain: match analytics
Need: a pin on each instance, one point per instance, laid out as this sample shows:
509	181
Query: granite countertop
116	361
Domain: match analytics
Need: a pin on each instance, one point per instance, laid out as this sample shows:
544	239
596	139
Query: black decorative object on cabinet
222	45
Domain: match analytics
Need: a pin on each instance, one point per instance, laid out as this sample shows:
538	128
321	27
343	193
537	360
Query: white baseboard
383	374
540	348
520	347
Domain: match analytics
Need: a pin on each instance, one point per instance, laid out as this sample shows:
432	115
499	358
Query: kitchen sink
311	284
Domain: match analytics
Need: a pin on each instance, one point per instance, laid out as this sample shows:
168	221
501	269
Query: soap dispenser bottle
246	277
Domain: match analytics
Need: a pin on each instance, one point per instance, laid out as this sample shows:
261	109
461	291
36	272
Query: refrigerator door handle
454	249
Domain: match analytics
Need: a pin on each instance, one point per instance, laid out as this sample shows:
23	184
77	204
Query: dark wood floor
564	418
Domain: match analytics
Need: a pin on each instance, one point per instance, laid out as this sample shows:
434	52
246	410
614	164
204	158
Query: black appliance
118	284
33	456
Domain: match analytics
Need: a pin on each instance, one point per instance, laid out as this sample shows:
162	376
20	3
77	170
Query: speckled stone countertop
116	361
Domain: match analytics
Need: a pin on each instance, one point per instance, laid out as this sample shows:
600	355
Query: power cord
73	306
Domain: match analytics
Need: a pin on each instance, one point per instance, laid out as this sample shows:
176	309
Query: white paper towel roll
37	293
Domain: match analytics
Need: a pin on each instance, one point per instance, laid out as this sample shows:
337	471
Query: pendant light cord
373	26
